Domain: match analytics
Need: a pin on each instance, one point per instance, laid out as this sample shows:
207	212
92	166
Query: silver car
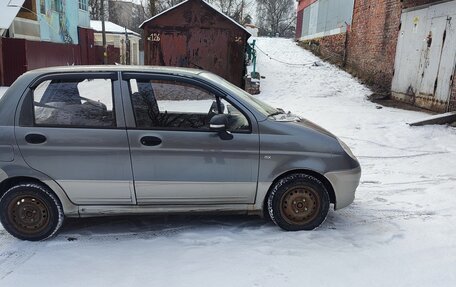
115	140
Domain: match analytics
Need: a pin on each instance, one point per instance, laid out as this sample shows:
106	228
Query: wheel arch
69	208
319	176
12	181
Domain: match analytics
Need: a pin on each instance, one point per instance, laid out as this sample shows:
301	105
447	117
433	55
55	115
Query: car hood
310	125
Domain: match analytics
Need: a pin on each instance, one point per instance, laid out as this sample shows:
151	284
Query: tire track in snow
14	253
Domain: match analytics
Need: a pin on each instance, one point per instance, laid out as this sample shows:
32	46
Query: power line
288	63
283	62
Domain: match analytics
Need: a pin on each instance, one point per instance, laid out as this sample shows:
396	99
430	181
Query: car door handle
150	141
35	138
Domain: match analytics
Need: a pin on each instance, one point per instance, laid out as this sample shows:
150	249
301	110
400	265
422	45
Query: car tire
30	211
298	202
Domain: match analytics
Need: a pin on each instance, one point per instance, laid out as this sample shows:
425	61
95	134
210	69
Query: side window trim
126	93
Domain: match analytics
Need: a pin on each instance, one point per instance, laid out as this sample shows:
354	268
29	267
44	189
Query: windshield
262	107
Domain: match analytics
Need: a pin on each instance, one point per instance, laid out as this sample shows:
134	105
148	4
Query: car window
259	105
74	103
177	105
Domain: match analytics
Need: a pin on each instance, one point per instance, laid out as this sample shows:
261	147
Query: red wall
305	3
47	54
113	55
299	24
18	55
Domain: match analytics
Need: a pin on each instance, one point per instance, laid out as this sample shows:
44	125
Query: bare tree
276	17
95	9
154	7
233	8
236	9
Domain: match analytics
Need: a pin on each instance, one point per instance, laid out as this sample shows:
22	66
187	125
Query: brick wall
452	106
372	40
330	48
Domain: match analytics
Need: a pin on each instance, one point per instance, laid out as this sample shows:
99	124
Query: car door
72	129
176	158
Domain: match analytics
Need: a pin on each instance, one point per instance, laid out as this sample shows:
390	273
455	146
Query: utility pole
103	33
127	48
242	13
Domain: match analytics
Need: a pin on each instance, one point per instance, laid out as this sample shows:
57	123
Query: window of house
74	103
43	6
177	105
83	5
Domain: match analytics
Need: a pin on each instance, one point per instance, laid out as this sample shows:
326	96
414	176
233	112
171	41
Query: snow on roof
110	28
210	5
8	11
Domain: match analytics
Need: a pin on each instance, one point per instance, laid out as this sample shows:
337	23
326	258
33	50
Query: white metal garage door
426	56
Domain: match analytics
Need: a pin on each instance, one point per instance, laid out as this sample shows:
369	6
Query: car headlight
347	149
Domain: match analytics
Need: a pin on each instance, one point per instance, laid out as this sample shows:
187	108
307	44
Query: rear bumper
344	184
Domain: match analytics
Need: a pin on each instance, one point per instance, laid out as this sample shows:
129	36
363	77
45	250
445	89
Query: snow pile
400	231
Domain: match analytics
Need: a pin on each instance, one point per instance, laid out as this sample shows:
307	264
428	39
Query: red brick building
368	47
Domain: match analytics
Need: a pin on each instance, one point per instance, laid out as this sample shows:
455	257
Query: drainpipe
344	63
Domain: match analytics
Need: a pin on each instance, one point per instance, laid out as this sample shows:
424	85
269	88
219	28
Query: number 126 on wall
154	37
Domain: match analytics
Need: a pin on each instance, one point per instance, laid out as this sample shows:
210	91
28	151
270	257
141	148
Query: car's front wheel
298	202
30	211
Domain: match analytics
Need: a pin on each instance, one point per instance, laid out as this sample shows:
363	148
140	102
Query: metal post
103	33
254	58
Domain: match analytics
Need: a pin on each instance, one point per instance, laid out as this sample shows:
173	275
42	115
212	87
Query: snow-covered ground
401	230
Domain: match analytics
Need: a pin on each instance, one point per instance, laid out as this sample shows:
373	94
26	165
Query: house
125	40
41	33
197	35
407	47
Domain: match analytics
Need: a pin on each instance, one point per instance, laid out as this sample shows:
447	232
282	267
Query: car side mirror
219	123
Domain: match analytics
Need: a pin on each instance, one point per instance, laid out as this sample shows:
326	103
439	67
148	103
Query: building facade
54	21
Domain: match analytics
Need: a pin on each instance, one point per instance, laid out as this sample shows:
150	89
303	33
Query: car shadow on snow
149	226
152	226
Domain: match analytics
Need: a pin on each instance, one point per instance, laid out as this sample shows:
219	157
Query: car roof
118	68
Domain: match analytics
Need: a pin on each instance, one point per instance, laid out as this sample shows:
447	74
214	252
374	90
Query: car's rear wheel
31	211
298	202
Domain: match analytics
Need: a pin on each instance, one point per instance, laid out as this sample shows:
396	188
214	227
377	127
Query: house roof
209	5
111	28
8	11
